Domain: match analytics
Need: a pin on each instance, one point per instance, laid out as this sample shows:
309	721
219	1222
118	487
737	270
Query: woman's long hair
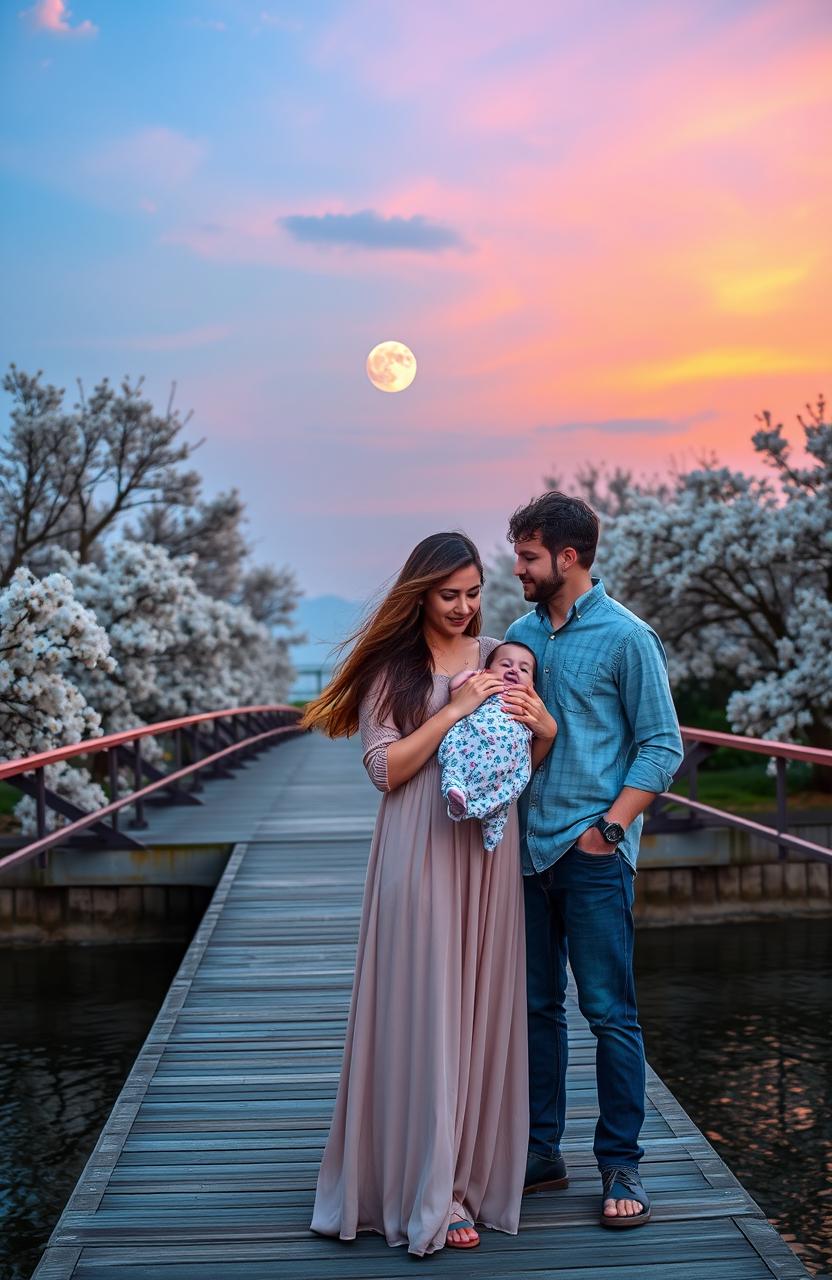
392	641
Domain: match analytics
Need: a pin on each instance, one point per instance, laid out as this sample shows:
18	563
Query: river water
72	1020
737	1022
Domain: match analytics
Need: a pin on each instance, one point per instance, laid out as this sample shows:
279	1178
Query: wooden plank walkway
206	1168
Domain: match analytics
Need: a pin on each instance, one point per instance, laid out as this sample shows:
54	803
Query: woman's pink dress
432	1106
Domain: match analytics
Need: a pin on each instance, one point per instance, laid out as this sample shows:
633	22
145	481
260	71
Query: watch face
613	833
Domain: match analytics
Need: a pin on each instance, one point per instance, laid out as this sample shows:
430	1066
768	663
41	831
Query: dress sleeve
376	735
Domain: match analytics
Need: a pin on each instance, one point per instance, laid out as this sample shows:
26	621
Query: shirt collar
589	600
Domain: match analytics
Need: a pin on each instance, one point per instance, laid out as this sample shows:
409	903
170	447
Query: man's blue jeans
582	908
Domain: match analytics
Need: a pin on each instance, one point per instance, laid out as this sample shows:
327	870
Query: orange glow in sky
603	228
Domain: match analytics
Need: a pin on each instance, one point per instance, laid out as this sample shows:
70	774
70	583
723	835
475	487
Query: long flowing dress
432	1113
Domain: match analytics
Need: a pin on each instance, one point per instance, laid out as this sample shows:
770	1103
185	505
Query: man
603	675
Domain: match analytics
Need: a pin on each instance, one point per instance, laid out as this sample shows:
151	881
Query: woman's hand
525	706
475	691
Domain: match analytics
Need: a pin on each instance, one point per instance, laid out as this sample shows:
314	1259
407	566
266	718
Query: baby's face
514	664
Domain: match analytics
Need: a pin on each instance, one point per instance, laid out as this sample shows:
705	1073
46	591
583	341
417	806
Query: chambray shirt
603	676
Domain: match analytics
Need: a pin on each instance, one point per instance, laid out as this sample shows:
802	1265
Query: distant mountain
325	620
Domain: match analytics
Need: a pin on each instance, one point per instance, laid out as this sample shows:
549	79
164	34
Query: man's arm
648	707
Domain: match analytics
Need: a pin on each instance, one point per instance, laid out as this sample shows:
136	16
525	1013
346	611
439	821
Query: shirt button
546	671
552	636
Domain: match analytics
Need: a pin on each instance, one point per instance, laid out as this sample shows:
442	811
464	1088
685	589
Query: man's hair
561	522
518	645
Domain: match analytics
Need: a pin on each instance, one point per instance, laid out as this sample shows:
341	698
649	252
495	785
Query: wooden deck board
207	1165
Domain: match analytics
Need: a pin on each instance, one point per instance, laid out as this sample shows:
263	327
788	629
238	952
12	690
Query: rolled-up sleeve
376	736
648	705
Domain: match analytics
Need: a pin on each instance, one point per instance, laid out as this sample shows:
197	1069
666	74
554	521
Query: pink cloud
419	48
53	16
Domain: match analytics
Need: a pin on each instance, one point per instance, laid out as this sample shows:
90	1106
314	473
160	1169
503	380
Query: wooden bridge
206	1167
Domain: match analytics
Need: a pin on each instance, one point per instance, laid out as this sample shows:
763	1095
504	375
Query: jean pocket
611	856
576	687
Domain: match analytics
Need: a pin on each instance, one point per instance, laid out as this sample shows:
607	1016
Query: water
72	1020
737	1022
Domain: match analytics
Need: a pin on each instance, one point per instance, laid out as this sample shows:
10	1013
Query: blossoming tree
49	642
100	633
735	572
177	649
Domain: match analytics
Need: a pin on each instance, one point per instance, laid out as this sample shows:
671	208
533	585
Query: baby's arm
457	681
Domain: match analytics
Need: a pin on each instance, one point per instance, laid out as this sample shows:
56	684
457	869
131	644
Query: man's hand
593	842
525	706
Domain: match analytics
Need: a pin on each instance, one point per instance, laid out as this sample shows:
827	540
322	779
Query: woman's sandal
459	1225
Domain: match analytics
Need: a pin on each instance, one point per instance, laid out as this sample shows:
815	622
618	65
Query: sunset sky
603	227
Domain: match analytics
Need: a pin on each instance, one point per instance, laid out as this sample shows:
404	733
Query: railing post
193	737
138	807
782	798
240	735
177	756
40	814
112	768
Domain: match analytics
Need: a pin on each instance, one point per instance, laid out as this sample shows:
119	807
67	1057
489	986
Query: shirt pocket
576	686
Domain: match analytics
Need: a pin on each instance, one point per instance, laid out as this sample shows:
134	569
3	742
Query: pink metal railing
700	743
250	729
262	724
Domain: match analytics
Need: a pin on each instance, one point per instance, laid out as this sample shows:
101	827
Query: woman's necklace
441	662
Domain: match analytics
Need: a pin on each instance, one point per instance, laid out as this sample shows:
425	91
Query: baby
486	756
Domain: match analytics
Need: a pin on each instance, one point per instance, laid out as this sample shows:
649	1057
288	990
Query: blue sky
602	228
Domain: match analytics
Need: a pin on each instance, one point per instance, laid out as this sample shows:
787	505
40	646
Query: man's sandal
622	1182
461	1226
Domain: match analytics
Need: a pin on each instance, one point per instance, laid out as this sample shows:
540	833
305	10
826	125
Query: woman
430	1126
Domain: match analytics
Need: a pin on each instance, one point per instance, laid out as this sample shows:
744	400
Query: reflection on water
736	1018
737	1021
72	1020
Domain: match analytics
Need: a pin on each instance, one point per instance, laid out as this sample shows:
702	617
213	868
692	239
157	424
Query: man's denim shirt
603	676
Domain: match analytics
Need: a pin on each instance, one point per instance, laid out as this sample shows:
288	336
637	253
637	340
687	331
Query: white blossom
735	574
179	650
48	642
124	633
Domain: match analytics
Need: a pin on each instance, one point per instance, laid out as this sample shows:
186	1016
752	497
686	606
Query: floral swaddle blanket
487	756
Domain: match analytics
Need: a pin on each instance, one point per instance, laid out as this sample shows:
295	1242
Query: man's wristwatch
613	832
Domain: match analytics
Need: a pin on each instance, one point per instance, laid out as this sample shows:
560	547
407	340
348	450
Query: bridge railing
699	744
240	731
210	740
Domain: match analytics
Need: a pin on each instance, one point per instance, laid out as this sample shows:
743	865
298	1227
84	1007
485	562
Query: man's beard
543	592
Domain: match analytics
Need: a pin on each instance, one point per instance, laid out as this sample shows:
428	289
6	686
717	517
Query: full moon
391	366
